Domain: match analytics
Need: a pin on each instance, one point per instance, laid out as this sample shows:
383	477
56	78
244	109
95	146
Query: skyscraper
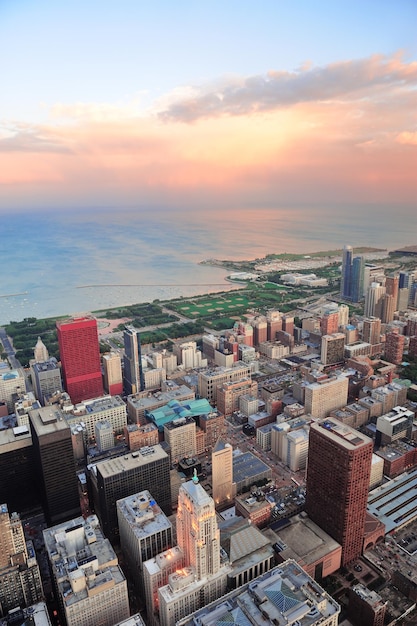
373	300
338	473
394	347
133	378
113	380
222	472
357	282
54	458
203	577
80	358
345	284
20	579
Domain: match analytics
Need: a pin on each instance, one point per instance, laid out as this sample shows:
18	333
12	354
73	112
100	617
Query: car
357	568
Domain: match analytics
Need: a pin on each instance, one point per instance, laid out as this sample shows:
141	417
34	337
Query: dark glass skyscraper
356	287
345	285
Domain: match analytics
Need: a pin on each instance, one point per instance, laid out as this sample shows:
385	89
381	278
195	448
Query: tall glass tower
356	286
345	285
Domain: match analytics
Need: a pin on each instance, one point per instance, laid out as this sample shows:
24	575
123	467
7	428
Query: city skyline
207	106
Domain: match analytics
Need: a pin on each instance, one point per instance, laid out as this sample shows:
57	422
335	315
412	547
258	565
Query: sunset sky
207	104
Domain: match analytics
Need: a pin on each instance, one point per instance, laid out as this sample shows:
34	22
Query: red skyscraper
80	358
338	474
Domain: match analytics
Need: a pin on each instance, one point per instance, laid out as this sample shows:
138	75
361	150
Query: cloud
27	138
277	89
408	138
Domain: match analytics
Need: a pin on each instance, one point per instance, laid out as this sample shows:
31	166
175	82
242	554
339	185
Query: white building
108	408
89	584
104	435
11	382
144	531
326	395
203	577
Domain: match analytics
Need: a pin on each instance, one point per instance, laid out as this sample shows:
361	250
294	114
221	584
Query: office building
394	348
228	394
55	465
338	475
274	324
329	322
40	352
212	424
357	279
156	572
343	310
366	607
403	297
89	585
144	532
20	579
46	378
204	577
19	485
326	395
34	615
388	308
224	488
209	381
12	381
140	436
188	357
117	478
104	435
107	408
133	377
80	358
371	330
260	330
392	284
394	425
180	436
374	300
345	283
332	348
112	370
285	595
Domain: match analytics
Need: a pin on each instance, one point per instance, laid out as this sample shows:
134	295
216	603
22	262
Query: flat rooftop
395	502
143	514
129	462
341	434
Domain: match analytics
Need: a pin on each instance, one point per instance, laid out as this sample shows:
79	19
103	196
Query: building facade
338	476
80	358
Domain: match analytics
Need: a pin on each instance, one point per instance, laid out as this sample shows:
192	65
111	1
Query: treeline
25	335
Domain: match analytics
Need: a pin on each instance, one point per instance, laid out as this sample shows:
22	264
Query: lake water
71	262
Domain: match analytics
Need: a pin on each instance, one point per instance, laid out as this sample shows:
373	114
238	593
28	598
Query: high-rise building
20	579
394	347
54	458
373	300
222	472
113	380
371	332
338	474
332	348
388	308
228	394
357	279
392	284
203	577
89	584
260	330
329	322
46	378
274	324
326	395
403	297
117	478
345	284
133	377
343	310
209	381
144	531
80	358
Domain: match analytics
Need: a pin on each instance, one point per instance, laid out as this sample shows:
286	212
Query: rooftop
143	514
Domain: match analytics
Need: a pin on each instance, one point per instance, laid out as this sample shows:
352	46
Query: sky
118	105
